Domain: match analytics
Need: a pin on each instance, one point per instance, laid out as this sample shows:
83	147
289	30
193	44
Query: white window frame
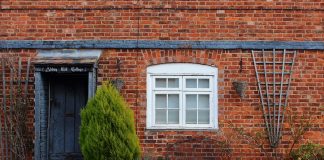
182	71
180	104
210	111
198	89
167	89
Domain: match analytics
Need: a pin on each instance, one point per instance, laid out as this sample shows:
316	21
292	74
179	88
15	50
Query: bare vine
15	104
298	125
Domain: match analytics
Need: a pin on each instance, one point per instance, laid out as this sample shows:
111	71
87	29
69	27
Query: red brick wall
192	4
185	20
306	97
162	20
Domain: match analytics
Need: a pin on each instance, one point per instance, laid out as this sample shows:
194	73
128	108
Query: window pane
191	101
203	83
191	116
160	82
160	101
173	83
191	83
203	101
173	101
203	116
160	116
173	116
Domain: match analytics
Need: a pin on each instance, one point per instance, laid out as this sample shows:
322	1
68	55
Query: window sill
155	129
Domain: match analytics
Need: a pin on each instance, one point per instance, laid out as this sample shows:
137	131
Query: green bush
308	151
107	127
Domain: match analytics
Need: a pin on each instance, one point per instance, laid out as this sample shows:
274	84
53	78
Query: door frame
42	109
46	62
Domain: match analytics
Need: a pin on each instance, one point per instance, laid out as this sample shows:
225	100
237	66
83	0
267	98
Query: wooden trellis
273	70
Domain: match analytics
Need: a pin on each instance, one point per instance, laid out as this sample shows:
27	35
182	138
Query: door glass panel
203	83
173	101
160	116
173	83
160	83
173	116
203	116
191	116
191	101
191	83
160	101
203	101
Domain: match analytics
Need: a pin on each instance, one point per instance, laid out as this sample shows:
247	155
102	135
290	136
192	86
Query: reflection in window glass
173	82
203	101
160	83
191	117
203	83
203	116
173	101
160	101
191	101
173	116
160	116
191	83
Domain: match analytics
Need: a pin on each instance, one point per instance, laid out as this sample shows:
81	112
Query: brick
183	20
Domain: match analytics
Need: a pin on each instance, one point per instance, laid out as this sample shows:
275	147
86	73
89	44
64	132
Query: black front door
68	94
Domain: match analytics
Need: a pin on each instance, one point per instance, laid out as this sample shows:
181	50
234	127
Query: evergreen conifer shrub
107	127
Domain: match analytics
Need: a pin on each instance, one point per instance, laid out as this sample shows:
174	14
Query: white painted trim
179	70
215	100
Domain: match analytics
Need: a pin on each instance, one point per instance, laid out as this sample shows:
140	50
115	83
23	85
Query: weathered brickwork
182	4
306	97
232	20
162	24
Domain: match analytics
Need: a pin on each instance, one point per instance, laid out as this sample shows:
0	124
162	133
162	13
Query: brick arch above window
204	57
182	96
